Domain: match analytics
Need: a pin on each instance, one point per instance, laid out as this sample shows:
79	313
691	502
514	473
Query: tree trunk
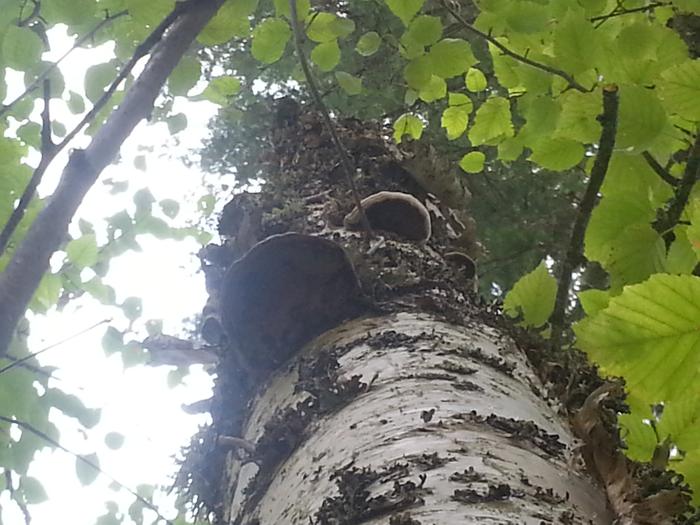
363	381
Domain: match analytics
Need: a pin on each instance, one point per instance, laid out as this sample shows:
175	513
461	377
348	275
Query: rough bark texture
362	381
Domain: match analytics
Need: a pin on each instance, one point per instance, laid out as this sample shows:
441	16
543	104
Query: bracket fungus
463	262
285	291
396	212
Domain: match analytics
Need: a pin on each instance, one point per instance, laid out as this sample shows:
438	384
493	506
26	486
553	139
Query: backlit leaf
270	39
532	297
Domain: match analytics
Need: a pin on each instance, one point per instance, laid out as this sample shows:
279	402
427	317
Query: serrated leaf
578	118
593	301
434	90
100	291
451	57
576	44
185	75
681	257
492	122
270	39
641	119
83	251
21	47
407	124
85	468
326	55
368	44
350	83
423	31
30	134
230	21
650	335
114	440
405	9
475	80
557	154
532	297
680	89
455	119
282	8
473	162
524	16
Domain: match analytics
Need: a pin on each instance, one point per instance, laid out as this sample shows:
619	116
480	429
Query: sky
135	402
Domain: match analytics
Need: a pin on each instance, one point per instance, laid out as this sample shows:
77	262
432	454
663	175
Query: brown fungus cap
284	292
396	212
463	261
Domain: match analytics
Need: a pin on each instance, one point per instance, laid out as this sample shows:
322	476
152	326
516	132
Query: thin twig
26	358
142	50
78	43
47	144
9	484
520	58
31	428
685	185
659	169
344	156
617	12
573	253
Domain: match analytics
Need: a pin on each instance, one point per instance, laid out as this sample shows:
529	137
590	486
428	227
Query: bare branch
344	156
31	259
43	435
520	58
659	169
590	197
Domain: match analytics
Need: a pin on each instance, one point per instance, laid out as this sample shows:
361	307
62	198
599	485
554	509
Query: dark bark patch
430	461
497	363
499	492
467	476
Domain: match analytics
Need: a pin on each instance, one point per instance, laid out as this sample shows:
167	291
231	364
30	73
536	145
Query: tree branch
617	11
520	58
43	435
23	273
684	186
344	156
590	197
78	43
659	169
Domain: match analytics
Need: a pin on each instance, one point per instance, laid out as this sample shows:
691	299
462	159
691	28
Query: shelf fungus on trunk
396	212
285	291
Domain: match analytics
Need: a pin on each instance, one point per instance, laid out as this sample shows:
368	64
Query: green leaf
576	44
326	55
407	124
557	154
434	90
650	335
326	27
473	162
21	48
114	440
455	119
132	307
680	89
184	76
270	39
112	341
368	44
578	117
86	472
451	57
282	8
475	80
73	407
33	490
532	297
220	89
350	83
97	78
524	16
693	231
405	9
69	12
641	119
423	31
492	122
140	162
30	134
176	123
418	72
100	291
76	103
681	257
593	301
230	21
83	251
170	207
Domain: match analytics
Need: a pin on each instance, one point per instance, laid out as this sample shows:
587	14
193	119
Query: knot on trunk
284	292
